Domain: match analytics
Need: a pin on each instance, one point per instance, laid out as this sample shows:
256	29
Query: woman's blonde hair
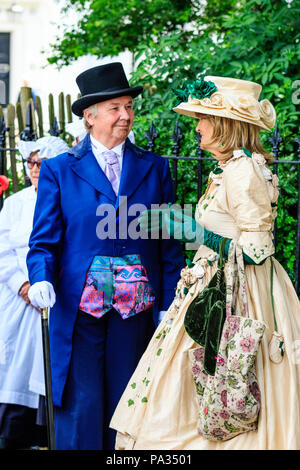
229	135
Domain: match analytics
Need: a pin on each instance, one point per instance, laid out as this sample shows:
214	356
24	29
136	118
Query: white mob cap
48	147
76	129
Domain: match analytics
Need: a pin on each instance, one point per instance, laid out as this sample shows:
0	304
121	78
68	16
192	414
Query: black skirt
23	425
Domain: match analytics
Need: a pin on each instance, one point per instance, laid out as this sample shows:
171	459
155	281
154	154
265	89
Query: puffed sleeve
249	203
10	271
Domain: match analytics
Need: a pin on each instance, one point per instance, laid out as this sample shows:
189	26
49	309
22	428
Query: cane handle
44	313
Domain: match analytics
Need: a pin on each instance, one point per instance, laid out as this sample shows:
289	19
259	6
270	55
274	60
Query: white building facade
28	27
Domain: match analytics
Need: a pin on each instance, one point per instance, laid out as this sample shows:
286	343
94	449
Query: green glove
177	222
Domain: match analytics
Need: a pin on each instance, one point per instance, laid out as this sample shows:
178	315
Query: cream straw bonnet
228	97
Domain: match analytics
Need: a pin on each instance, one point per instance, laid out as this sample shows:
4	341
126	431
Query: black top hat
102	83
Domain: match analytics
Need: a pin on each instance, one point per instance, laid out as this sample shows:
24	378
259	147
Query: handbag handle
236	280
272	297
221	261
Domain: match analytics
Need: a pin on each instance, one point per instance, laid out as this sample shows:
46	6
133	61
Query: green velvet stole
206	315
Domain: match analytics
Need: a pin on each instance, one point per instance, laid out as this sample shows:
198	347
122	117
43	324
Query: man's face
113	121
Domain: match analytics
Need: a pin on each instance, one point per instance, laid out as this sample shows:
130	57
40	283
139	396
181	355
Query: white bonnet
48	147
76	129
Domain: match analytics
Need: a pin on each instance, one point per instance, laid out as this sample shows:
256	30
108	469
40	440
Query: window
4	68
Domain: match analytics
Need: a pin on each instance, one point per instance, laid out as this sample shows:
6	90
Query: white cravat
98	149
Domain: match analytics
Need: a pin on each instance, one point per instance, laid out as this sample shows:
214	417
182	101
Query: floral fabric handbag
229	399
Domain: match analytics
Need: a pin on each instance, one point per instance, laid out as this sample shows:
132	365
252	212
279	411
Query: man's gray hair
93	110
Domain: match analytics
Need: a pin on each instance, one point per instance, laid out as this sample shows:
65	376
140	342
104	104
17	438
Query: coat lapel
134	170
86	167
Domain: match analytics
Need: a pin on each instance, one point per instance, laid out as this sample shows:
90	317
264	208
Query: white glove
42	295
161	315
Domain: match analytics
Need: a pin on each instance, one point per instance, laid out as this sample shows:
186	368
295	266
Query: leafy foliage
178	41
256	40
108	27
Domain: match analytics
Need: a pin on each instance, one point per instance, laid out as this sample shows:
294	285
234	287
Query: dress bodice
243	204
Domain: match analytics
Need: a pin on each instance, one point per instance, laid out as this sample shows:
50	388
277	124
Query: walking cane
48	382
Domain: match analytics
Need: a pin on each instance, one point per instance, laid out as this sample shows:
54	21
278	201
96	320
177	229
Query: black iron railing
276	141
177	138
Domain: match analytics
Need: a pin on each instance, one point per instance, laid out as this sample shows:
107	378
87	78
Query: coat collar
80	149
135	168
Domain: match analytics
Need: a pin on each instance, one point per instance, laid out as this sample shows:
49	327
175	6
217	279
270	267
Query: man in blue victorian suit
106	285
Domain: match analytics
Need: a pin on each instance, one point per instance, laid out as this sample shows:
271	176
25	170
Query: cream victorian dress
159	408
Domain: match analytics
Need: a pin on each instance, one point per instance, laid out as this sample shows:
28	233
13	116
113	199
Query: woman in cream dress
159	408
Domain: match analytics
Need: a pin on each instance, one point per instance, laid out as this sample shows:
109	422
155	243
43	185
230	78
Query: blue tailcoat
64	240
